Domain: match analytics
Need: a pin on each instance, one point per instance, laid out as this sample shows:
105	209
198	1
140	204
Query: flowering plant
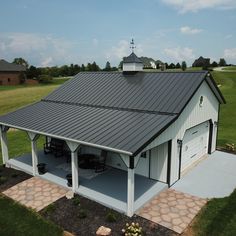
132	229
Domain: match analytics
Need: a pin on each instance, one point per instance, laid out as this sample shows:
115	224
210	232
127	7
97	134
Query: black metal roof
9	67
112	110
121	130
132	58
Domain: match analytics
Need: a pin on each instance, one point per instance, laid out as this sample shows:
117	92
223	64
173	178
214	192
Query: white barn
153	126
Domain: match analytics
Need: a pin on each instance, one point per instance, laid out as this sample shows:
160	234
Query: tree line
33	72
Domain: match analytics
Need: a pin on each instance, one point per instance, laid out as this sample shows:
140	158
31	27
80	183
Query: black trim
169	162
210	136
131	162
218	90
218	122
180	143
149	171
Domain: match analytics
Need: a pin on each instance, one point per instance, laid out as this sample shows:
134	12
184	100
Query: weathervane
132	45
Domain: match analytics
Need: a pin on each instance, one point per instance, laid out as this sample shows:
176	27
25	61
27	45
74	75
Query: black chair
100	162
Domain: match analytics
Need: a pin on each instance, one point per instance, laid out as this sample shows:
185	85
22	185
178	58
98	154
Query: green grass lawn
16	220
227	124
217	218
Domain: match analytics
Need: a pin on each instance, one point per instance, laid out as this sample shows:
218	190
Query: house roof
9	67
132	58
112	110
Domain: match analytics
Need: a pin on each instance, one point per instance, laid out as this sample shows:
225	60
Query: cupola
132	63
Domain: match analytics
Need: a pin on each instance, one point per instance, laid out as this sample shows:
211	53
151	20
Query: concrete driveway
213	177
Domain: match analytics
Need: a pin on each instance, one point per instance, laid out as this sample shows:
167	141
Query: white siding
142	167
132	67
158	165
192	115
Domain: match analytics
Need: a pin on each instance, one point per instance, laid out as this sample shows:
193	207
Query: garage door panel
195	143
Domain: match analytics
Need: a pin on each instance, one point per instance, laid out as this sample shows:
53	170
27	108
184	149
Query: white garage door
195	144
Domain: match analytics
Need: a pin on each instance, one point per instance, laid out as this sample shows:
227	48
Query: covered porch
109	187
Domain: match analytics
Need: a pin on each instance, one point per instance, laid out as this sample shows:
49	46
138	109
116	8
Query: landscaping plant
132	229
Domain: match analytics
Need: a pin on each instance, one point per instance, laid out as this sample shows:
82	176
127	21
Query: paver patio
35	193
172	209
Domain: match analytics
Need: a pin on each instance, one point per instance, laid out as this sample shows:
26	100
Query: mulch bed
80	215
10	177
67	214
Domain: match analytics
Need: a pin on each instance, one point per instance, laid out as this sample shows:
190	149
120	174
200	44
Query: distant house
153	127
201	62
10	73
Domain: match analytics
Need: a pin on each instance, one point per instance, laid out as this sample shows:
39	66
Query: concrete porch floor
108	188
213	177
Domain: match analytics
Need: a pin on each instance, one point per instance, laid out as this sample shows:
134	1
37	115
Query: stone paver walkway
35	193
172	209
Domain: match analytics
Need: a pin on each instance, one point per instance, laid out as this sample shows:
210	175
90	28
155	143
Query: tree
21	61
214	64
82	67
32	72
166	65
222	62
178	66
172	66
107	66
94	67
184	65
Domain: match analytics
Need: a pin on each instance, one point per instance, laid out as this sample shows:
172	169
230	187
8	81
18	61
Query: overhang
120	131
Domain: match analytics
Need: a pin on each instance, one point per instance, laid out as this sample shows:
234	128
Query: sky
58	32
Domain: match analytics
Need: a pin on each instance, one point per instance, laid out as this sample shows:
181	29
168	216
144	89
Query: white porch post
74	164
130	192
4	144
33	138
131	162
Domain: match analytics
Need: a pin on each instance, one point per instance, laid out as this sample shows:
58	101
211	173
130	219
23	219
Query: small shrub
45	79
111	217
3	179
14	175
76	201
132	230
82	214
49	209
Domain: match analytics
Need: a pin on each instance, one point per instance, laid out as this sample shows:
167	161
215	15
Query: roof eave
71	140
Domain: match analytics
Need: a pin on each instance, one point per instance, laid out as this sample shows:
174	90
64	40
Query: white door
158	162
195	144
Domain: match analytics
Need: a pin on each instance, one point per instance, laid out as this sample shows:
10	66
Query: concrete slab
214	177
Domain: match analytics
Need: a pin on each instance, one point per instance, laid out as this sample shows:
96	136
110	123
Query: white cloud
230	53
123	50
229	36
179	54
41	50
95	42
47	62
189	30
195	5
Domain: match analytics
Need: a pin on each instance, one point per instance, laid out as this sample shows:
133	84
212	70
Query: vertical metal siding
192	115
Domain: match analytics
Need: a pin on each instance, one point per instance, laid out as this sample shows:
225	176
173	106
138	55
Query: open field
227	124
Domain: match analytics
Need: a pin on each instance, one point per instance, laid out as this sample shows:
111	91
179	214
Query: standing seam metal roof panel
144	91
68	121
